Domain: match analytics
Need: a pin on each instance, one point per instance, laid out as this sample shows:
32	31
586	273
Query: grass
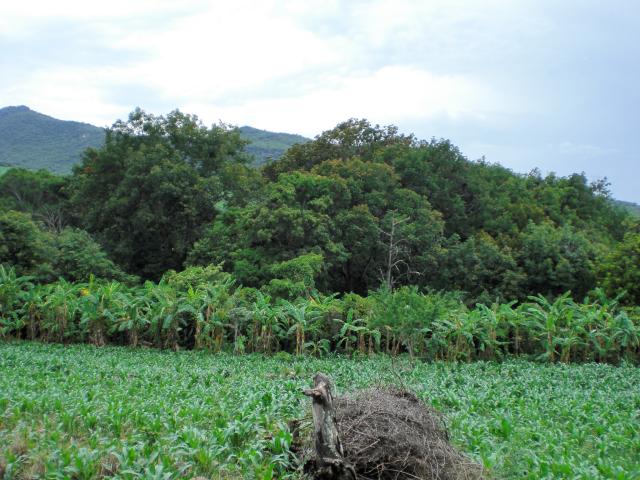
85	412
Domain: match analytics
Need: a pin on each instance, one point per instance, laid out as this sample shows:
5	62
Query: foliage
83	412
482	269
555	260
351	139
202	308
467	226
148	191
41	194
620	271
78	257
296	277
46	255
25	246
380	207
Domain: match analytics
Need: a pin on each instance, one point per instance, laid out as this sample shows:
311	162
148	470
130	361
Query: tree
396	254
556	260
41	194
620	271
296	277
78	257
147	193
25	246
482	269
353	138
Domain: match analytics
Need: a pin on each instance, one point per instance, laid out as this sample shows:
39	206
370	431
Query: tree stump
330	461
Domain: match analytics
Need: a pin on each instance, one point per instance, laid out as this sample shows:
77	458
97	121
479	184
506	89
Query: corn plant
84	412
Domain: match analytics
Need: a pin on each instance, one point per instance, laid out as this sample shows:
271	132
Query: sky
545	84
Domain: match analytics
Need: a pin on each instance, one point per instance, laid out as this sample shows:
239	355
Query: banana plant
211	321
626	334
301	318
61	310
462	334
356	332
134	320
266	317
166	321
31	311
318	347
547	319
492	328
102	308
14	290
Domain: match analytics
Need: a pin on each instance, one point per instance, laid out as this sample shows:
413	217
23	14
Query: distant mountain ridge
267	145
33	140
634	208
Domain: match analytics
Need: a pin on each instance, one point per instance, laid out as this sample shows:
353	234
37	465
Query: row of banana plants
202	308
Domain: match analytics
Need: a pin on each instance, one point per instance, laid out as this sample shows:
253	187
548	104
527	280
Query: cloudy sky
541	83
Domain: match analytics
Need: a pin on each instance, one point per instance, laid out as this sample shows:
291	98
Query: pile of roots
390	434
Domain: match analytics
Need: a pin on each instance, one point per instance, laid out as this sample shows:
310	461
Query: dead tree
397	253
329	455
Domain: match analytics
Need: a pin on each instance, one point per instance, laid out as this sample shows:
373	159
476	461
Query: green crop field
86	412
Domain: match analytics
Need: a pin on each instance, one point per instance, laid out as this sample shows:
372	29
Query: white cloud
512	78
389	95
217	61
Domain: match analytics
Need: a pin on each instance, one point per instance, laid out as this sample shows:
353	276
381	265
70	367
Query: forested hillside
358	208
32	140
265	145
634	208
29	139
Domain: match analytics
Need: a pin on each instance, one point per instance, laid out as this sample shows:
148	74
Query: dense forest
362	213
358	207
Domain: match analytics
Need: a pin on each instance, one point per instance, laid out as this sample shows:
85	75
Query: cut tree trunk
330	461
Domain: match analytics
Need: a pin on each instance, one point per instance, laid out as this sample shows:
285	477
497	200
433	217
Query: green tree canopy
25	246
620	271
147	193
40	193
78	257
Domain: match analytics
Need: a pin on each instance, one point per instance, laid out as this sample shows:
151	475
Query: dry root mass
391	434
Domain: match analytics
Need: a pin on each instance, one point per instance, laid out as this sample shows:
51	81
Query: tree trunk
330	461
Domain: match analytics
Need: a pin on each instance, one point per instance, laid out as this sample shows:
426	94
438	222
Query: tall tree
146	194
42	194
620	270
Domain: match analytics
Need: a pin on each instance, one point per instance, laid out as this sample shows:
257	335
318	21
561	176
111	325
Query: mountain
267	145
634	208
32	140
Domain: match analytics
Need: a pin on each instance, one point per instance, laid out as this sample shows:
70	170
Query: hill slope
267	145
32	140
634	208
